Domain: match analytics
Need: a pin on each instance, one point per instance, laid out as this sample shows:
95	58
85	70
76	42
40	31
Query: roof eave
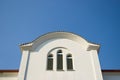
26	46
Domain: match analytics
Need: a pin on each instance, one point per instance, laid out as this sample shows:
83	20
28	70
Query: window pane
50	64
59	51
69	55
69	64
59	62
50	55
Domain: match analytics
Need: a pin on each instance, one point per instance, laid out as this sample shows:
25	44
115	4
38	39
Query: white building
59	55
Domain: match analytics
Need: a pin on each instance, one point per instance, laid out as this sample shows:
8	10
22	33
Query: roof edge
110	70
43	37
16	70
104	70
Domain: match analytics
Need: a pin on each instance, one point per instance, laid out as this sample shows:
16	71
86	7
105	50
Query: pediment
59	35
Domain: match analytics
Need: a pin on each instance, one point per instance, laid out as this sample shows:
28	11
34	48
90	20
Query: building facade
59	55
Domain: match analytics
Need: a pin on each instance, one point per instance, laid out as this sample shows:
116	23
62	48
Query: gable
59	35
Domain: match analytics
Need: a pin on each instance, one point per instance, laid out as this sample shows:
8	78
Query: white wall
84	65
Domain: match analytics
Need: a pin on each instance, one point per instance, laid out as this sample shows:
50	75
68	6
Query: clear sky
22	21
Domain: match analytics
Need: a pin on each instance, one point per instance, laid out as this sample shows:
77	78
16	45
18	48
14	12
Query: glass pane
50	55
59	62
69	64
50	64
59	51
69	55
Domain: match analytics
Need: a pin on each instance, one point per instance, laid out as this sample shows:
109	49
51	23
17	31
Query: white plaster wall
111	76
83	63
9	76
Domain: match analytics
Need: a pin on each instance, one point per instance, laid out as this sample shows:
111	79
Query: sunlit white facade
59	56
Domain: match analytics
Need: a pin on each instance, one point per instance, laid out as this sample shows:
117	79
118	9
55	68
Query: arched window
50	62
59	60
69	62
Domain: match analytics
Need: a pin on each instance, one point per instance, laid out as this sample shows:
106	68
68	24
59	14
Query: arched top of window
59	51
69	55
50	55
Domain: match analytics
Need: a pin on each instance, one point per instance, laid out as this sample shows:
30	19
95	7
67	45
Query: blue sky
22	21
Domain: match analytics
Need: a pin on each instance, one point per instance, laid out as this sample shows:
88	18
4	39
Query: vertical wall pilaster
96	65
23	65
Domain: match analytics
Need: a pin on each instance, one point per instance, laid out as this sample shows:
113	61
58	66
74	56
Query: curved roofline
55	32
56	35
